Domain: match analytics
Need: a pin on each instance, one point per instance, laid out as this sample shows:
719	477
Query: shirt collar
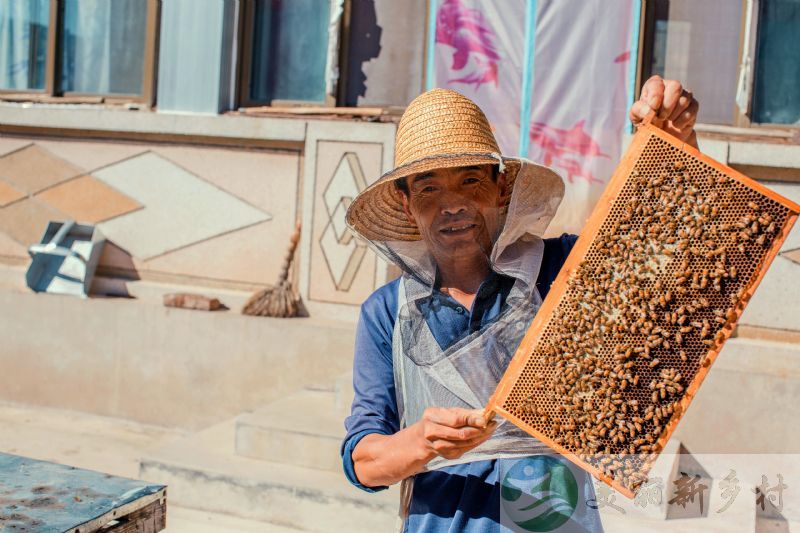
488	285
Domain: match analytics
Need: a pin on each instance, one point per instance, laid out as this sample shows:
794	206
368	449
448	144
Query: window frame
53	93
741	119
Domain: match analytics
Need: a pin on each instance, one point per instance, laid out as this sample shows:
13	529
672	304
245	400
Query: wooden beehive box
649	294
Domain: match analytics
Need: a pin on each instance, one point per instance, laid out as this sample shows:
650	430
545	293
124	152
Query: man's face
455	209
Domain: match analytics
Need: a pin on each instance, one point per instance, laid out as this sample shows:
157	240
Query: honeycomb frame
532	388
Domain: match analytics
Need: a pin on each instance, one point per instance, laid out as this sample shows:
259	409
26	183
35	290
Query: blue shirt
463	497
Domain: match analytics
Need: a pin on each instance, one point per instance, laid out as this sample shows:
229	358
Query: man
464	225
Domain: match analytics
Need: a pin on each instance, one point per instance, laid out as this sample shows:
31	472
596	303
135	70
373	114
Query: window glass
697	43
776	87
102	46
290	45
23	43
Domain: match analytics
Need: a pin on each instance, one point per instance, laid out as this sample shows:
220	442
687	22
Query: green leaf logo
539	493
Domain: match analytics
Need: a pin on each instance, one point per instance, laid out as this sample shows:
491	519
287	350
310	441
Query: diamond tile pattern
793	255
179	208
9	194
342	253
11	144
91	155
87	199
26	220
11	248
237	255
33	169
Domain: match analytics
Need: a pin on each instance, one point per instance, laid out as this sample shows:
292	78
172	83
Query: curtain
290	47
479	52
103	46
23	43
579	98
579	87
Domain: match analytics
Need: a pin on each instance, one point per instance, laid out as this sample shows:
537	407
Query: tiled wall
206	215
222	216
181	211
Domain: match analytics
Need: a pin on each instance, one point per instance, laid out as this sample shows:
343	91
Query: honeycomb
651	291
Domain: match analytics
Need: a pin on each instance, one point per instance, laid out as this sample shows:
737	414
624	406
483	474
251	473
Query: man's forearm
449	432
382	460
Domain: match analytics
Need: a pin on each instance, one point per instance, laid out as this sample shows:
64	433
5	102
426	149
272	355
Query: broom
278	300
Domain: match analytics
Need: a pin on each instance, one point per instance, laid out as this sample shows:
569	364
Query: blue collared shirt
464	497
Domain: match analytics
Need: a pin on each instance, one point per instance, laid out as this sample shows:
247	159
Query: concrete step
652	510
204	472
740	517
302	429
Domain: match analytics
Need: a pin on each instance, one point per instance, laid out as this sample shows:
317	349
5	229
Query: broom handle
287	260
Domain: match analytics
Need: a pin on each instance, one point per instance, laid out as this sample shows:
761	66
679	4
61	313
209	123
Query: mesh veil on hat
439	129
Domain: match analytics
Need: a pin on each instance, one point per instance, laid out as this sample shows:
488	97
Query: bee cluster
659	288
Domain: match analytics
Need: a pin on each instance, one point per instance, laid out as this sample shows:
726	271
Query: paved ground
114	446
108	445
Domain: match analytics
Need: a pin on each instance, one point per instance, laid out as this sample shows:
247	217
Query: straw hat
439	129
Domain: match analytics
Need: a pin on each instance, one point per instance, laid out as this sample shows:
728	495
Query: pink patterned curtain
579	98
479	51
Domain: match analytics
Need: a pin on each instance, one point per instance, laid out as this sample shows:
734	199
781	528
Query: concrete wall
386	48
135	359
748	403
188	203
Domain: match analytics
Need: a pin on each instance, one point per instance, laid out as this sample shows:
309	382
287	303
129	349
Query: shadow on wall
117	268
365	44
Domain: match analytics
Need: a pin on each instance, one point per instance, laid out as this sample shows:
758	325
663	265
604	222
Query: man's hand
675	107
452	432
382	460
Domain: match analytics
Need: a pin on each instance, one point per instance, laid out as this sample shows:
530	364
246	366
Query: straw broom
278	300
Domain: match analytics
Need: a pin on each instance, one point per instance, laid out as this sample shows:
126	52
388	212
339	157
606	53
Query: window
102	48
271	52
286	51
698	43
23	44
741	63
776	87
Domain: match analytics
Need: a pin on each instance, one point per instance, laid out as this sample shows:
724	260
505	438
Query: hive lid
651	291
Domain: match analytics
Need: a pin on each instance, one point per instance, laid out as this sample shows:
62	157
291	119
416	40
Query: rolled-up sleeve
374	408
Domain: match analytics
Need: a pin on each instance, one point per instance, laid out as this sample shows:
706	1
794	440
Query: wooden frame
640	59
145	515
53	68
344	52
560	287
246	31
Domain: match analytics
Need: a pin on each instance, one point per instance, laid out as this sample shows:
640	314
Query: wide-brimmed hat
440	129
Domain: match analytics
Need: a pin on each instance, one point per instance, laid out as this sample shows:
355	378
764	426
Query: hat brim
377	212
